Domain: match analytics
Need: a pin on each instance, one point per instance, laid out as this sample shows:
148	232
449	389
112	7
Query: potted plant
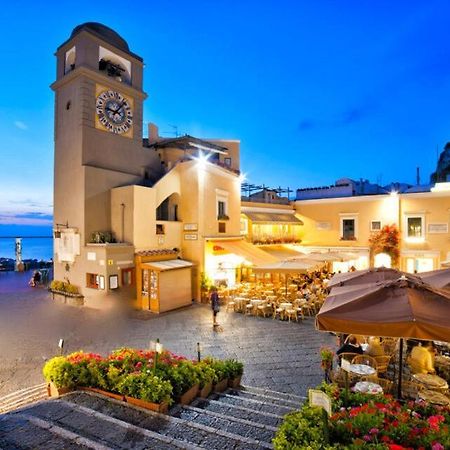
206	376
234	370
326	357
220	382
60	375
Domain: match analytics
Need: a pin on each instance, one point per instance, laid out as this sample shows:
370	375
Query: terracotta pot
205	390
162	408
54	391
221	385
189	396
102	392
235	382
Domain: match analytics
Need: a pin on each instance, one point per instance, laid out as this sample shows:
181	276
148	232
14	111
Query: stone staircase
238	419
23	397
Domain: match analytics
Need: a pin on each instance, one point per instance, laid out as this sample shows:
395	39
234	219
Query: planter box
189	396
67	298
102	392
54	391
235	382
205	390
221	385
162	408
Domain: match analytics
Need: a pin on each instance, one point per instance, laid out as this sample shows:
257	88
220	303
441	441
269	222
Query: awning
250	252
281	252
170	264
289	266
272	218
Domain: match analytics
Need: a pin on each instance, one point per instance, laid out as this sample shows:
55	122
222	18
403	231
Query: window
93	281
160	228
127	277
222	227
414	227
348	229
375	225
227	162
221	208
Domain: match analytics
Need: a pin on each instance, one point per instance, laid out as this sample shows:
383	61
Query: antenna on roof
174	132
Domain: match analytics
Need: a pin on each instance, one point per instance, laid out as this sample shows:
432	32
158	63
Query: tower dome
103	32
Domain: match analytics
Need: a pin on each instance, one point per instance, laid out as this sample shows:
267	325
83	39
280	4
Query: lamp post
157	348
61	346
198	352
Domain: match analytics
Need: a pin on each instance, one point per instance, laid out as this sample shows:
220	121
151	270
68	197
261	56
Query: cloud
21	125
25	219
346	117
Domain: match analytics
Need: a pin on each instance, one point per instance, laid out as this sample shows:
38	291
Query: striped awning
272	218
170	264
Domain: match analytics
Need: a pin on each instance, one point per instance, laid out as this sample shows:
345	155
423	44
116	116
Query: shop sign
191	237
319	398
190	227
438	228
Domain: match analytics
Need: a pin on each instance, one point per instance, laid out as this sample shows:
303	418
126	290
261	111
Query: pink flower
367	438
374	431
437	446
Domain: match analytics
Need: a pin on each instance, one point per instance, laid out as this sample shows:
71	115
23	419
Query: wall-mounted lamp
57	231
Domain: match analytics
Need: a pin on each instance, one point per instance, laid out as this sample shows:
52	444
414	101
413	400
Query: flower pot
189	396
205	390
54	391
102	392
221	385
235	382
162	407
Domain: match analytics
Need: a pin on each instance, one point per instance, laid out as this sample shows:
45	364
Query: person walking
215	306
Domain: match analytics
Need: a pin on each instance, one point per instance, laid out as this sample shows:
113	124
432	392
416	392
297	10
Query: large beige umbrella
287	266
372	275
405	307
438	278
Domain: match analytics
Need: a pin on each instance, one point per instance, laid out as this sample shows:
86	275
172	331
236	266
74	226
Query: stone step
191	434
100	430
23	397
242	427
20	431
266	398
251	403
240	412
276	394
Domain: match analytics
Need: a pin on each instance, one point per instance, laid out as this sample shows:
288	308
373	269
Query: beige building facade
132	216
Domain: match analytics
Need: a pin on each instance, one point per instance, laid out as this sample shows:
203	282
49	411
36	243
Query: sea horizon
36	247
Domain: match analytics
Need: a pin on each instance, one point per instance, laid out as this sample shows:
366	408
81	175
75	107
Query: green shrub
71	289
146	387
219	368
233	368
56	285
61	372
305	429
182	376
205	373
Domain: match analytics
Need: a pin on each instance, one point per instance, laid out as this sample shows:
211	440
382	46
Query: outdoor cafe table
367	387
436	398
240	302
361	369
431	381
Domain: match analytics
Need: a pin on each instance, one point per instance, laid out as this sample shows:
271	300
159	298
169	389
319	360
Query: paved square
277	355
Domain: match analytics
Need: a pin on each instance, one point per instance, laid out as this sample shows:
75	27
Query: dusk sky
315	91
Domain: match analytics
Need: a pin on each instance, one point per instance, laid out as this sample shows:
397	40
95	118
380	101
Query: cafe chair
410	389
347	356
382	363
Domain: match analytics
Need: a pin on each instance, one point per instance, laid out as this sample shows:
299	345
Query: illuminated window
93	281
414	227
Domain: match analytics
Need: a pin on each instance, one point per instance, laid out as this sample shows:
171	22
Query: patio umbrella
438	278
402	308
372	275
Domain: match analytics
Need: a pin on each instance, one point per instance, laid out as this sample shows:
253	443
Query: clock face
114	112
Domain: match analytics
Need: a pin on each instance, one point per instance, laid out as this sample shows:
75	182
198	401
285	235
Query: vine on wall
387	240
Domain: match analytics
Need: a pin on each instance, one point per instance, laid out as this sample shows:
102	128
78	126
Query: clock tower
98	139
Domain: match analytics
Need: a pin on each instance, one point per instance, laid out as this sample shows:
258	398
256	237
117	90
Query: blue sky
315	91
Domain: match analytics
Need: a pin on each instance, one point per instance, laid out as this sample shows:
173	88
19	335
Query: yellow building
134	217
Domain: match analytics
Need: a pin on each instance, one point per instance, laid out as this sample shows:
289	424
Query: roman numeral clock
114	111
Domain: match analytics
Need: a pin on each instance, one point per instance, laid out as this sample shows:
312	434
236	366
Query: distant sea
32	248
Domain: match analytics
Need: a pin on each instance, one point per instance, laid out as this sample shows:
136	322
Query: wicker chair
410	389
347	356
382	363
389	345
365	359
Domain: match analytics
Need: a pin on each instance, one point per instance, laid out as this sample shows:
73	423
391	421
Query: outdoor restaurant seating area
286	298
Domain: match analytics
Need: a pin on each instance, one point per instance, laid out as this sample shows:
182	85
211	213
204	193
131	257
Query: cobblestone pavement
277	355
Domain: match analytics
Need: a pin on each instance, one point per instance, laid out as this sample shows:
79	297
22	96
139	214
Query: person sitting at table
350	346
374	349
421	359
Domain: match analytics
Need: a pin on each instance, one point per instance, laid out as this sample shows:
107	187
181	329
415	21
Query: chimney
418	176
153	132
